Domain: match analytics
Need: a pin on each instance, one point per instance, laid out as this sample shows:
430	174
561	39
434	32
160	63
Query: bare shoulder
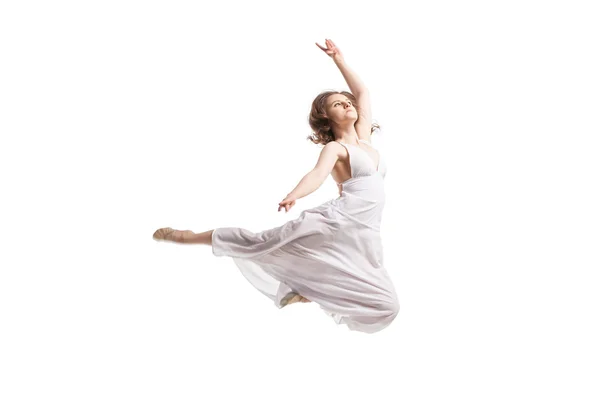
333	146
333	149
330	153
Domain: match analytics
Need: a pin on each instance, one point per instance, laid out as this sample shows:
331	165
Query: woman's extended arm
315	178
356	86
358	89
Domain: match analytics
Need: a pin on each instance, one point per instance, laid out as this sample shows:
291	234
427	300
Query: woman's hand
331	50
287	203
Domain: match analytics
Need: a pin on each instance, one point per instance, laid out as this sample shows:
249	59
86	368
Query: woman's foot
171	235
292	298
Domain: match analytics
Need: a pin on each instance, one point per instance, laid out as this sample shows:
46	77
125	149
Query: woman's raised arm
358	89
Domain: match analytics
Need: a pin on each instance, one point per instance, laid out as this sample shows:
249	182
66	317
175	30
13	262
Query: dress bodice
362	163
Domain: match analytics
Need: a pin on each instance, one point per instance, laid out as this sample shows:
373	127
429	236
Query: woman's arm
315	178
358	89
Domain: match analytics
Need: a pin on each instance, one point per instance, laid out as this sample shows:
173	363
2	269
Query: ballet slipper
292	298
170	234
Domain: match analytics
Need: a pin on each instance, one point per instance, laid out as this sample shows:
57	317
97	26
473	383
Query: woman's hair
319	123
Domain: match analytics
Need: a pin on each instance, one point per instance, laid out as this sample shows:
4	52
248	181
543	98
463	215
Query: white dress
331	254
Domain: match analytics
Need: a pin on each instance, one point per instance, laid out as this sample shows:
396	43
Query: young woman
331	254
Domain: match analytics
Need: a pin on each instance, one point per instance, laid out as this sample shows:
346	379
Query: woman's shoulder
335	147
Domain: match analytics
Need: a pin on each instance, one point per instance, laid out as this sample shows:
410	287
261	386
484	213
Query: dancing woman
331	254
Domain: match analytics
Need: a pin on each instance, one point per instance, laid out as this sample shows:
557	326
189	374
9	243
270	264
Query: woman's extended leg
189	237
184	237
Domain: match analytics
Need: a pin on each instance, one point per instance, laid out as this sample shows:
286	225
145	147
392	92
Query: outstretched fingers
321	47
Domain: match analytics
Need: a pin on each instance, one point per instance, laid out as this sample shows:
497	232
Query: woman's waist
373	183
366	209
369	215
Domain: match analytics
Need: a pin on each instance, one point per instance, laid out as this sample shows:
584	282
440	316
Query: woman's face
339	108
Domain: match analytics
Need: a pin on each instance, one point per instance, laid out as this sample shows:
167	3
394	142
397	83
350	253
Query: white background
122	117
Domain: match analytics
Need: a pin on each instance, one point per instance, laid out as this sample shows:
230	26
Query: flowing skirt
331	254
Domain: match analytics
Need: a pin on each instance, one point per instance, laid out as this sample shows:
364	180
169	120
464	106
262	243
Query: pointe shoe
170	234
292	298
